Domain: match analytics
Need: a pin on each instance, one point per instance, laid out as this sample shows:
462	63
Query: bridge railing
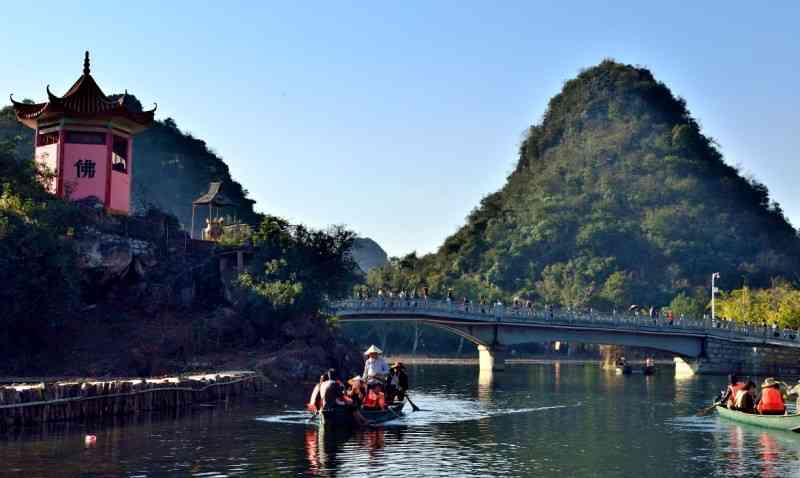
506	314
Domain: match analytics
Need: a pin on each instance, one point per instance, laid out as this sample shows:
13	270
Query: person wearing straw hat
375	368
397	383
771	402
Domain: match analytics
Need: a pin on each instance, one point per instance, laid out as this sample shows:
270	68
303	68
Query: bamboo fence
28	404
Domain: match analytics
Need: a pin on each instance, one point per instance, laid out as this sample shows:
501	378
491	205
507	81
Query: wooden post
191	235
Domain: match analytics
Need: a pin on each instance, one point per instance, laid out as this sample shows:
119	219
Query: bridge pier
492	358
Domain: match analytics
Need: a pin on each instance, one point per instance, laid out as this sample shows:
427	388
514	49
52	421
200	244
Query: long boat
342	417
789	423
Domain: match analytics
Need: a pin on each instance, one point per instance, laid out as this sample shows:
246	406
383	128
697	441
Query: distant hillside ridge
616	198
368	254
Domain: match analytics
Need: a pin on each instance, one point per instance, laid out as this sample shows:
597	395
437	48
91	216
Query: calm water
535	420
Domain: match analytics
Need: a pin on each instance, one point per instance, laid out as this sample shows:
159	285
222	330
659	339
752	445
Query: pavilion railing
510	314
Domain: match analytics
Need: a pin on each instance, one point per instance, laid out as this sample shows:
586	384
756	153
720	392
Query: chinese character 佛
84	168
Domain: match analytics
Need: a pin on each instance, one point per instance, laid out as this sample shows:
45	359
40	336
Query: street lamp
714	291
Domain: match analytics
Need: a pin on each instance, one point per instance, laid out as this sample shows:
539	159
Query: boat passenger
795	391
397	384
355	399
734	385
332	392
315	402
771	402
745	398
375	368
375	399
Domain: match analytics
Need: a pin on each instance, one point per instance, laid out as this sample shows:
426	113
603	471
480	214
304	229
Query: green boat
790	423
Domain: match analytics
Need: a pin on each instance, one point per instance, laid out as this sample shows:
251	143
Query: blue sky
397	119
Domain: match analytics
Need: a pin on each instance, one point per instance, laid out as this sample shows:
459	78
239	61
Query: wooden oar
414	407
707	410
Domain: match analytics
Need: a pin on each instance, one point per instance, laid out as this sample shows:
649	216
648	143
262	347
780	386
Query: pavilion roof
214	196
84	99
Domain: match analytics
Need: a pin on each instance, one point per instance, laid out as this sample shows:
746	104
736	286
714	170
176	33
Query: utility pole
714	291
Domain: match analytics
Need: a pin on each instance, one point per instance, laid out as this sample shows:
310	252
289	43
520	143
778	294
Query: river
530	420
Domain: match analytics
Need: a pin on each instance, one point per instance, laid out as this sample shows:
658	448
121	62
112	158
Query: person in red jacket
375	399
771	402
734	386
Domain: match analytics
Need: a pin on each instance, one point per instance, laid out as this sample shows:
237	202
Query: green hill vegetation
52	305
617	198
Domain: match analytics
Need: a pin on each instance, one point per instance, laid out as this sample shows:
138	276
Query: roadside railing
522	314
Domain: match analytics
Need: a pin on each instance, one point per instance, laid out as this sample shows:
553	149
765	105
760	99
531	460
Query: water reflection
529	420
485	385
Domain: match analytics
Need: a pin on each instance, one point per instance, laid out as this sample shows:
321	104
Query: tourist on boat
745	398
795	391
771	402
734	385
397	384
332	391
315	402
375	399
355	399
375	368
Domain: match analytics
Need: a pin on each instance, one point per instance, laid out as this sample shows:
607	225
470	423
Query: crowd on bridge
522	308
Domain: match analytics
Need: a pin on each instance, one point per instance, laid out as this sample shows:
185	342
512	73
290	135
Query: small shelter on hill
217	203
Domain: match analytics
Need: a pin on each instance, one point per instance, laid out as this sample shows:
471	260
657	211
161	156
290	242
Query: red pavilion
85	139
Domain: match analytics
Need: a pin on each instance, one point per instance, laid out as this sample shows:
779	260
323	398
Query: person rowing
397	384
734	386
745	399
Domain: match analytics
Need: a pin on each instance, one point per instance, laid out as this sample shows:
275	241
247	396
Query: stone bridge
699	346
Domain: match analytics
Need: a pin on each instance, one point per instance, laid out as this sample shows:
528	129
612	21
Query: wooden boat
340	417
789	423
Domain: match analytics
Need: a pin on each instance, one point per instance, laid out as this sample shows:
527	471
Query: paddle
707	410
414	407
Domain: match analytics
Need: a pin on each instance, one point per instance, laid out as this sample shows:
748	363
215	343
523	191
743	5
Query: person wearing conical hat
375	368
771	402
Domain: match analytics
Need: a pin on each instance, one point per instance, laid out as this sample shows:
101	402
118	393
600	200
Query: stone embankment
750	358
29	404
